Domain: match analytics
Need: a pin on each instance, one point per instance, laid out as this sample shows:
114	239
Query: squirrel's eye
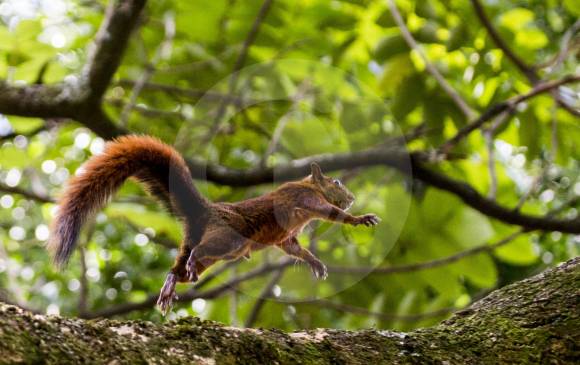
337	182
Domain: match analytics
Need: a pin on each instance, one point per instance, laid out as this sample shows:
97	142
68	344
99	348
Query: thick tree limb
533	321
81	100
38	101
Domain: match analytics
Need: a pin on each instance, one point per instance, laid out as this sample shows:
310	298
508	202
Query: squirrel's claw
167	294
369	220
319	270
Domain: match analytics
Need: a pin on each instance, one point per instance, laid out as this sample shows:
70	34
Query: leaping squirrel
212	231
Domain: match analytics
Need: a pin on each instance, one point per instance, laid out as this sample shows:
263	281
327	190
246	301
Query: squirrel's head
333	190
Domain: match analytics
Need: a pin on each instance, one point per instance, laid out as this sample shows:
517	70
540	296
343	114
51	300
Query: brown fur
212	231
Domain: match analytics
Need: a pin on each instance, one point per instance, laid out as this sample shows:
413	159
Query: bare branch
189	93
428	264
567	45
37	101
162	52
110	43
25	193
240	61
457	99
508	105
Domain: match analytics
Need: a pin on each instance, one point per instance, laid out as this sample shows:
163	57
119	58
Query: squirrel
211	231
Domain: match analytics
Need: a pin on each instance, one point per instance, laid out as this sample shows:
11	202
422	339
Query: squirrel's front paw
368	220
319	269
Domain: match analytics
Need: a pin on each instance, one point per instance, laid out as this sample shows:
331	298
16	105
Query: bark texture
534	321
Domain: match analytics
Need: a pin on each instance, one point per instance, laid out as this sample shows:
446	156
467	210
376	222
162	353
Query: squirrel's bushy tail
160	167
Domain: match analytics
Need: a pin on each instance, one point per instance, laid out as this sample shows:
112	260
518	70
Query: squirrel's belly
270	236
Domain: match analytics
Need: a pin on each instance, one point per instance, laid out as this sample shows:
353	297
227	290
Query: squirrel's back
159	166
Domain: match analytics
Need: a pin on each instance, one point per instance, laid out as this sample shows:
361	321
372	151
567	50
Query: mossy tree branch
532	321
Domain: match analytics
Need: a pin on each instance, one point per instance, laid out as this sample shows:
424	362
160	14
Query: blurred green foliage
359	85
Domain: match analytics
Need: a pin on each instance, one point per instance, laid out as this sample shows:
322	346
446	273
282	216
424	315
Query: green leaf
572	6
408	96
530	133
516	19
390	46
531	39
520	251
469	227
13	157
458	37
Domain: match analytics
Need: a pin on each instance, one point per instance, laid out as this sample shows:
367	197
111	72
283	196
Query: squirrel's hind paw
167	294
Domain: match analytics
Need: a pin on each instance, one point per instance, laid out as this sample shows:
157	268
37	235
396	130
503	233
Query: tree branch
189	93
264	295
110	43
25	193
532	321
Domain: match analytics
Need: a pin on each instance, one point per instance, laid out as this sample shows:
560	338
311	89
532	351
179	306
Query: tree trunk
536	320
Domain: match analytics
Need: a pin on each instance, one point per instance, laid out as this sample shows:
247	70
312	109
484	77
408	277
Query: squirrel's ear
316	172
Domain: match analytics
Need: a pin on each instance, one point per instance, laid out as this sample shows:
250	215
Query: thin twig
189	93
520	64
266	293
192	293
84	288
449	90
283	121
240	61
488	135
25	193
567	45
162	52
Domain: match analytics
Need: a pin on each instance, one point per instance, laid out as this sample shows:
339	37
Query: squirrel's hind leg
215	245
